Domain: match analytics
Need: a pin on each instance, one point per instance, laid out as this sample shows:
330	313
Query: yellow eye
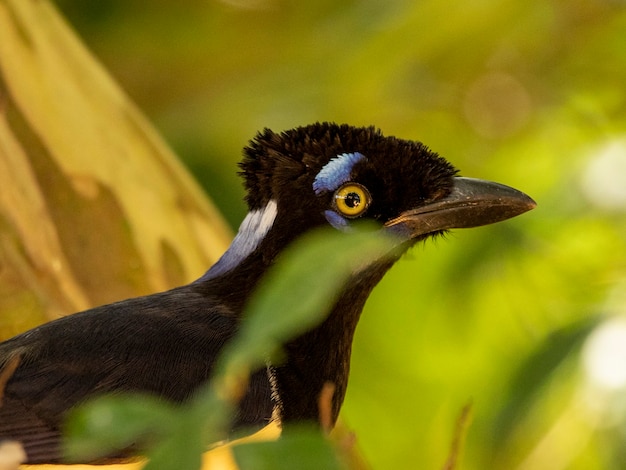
352	199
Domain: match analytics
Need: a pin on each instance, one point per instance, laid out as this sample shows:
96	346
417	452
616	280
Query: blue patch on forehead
336	172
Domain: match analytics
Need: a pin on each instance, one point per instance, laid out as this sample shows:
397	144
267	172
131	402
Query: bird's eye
352	200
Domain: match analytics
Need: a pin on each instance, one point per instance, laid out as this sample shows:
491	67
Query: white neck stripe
251	231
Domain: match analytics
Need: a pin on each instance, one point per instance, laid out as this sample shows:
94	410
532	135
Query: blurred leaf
537	371
304	449
308	277
181	450
115	422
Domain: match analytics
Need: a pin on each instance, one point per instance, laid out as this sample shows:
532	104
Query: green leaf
537	371
110	423
307	278
182	450
294	281
303	449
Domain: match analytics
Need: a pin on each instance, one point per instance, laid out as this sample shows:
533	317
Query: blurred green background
524	319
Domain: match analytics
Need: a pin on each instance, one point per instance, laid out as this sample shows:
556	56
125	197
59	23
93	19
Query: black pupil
353	200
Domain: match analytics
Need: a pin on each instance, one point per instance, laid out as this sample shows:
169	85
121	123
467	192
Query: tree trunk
94	207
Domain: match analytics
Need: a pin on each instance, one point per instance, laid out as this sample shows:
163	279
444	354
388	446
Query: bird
166	344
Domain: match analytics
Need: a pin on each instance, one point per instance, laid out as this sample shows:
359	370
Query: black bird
166	343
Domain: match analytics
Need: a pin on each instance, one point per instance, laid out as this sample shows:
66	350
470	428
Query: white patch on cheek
252	230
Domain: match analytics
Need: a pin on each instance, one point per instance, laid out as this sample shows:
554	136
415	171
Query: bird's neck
322	355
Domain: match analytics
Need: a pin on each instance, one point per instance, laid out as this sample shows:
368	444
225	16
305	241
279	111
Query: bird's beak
471	203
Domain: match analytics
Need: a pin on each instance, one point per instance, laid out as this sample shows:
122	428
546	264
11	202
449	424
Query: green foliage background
531	94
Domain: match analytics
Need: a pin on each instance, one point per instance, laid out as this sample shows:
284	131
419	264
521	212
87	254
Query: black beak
471	203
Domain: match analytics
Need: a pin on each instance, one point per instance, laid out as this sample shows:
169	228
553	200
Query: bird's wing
163	344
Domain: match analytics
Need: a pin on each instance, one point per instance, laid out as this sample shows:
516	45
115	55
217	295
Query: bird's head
329	174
